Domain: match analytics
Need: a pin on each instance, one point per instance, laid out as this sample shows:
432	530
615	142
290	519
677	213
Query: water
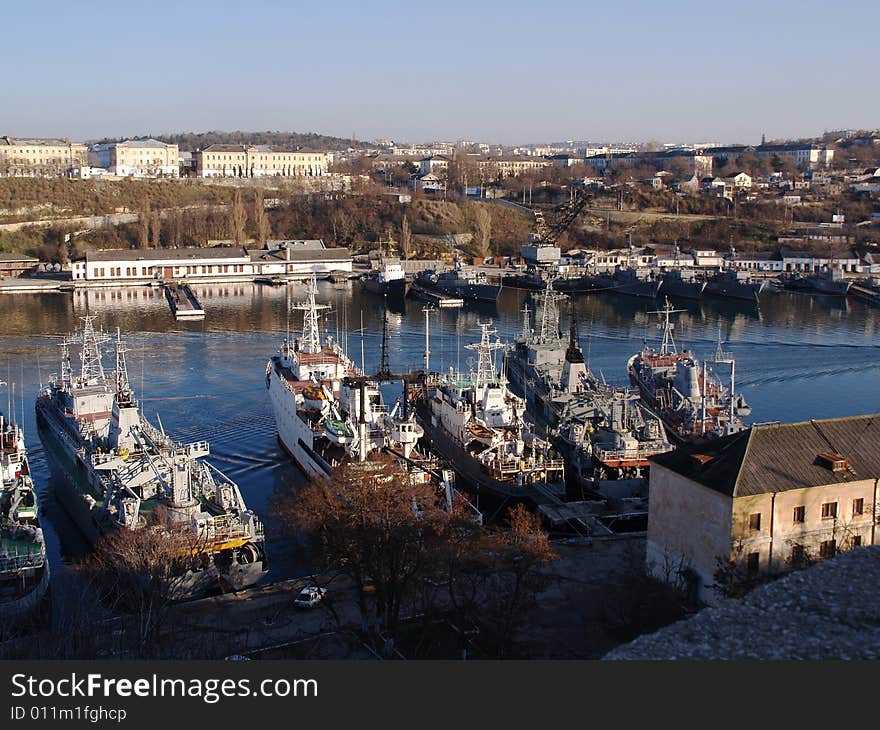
796	358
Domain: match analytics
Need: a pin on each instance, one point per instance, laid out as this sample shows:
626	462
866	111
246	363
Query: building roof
34	141
782	456
143	143
10	258
167	254
301	255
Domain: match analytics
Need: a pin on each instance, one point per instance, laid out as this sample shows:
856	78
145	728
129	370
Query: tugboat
24	569
120	472
474	422
693	405
388	279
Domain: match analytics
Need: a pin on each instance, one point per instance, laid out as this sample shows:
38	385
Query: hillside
191	141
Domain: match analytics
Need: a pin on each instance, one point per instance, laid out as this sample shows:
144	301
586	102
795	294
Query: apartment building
236	160
768	499
38	157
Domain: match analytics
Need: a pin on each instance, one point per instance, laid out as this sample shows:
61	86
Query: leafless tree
483	230
237	218
155	230
405	237
144	224
261	220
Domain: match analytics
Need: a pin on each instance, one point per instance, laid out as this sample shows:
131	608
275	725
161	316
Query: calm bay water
797	358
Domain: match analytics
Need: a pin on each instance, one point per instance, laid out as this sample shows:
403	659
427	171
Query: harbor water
797	357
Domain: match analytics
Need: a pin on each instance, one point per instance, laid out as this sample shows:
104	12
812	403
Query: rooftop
781	456
8	257
167	254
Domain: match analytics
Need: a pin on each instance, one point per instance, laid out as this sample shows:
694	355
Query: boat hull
396	289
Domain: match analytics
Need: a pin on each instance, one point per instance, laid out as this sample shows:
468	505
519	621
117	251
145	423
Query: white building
137	158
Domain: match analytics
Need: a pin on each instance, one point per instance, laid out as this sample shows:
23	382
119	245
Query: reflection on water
798	357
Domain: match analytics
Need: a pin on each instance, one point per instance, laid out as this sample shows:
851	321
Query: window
798	555
828	548
755	522
829	510
799	514
855	541
753	560
858	506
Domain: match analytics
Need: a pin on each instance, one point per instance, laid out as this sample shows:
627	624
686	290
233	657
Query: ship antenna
363	370
427	311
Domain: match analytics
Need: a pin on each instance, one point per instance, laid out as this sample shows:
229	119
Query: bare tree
144	224
483	230
237	218
405	237
261	220
155	230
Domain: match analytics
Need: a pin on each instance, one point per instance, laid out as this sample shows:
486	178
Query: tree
155	230
237	218
144	224
261	221
483	230
405	237
143	571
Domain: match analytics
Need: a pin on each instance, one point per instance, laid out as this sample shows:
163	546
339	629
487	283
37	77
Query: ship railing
16	560
640	452
223	528
198	448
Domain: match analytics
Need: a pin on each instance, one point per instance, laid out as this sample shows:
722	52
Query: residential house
767	499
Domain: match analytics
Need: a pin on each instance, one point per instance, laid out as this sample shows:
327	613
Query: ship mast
311	337
548	302
723	357
90	354
124	394
667	347
527	323
485	349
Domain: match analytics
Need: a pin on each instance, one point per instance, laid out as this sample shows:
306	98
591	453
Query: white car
310	597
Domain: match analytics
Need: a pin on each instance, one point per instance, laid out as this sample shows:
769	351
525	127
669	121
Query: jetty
184	304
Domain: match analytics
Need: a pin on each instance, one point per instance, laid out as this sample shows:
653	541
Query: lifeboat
479	430
314	397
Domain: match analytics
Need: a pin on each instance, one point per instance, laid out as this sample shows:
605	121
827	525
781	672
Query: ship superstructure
24	568
692	402
122	472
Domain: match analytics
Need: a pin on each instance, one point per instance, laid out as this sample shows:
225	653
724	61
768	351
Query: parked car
310	597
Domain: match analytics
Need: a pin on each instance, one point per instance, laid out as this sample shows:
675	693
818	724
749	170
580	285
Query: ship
609	436
601	431
734	285
635	282
585	283
531	279
326	409
693	404
24	568
542	366
460	282
682	284
387	278
827	281
118	471
475	423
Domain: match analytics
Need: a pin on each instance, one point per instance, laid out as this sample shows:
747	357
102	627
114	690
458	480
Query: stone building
769	498
237	160
20	157
138	158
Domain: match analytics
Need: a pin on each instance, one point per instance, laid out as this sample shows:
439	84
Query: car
310	597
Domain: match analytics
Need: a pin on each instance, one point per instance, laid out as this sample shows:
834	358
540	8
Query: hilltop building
238	160
33	157
137	158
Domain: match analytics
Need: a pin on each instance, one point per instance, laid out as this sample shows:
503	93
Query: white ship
326	411
124	473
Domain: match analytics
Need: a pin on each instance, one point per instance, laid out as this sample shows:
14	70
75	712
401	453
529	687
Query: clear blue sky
510	72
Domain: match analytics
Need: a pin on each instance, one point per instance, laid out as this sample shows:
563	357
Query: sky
506	72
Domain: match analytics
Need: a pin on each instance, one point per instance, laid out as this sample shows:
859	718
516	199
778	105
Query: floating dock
183	303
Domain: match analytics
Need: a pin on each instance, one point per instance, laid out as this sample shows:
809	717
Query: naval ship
24	569
461	283
119	471
693	404
476	424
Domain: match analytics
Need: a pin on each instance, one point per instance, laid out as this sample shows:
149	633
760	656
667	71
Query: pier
183	303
